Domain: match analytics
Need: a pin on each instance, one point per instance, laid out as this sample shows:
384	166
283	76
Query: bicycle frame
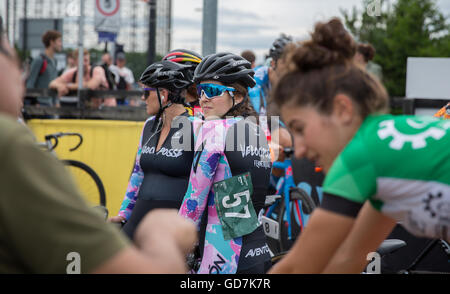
283	188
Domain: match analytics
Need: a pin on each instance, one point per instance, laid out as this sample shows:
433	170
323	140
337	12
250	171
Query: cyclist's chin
151	110
210	112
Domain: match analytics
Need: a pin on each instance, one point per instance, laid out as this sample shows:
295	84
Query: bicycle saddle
390	246
270	199
288	152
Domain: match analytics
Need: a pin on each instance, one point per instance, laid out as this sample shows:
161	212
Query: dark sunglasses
146	92
213	90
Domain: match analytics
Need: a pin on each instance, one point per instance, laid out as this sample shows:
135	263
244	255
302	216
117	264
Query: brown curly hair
49	36
322	67
244	109
367	51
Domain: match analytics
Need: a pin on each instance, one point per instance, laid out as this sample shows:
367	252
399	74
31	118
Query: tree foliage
408	28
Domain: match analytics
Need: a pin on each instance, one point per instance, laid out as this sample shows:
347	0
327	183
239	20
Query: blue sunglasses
213	90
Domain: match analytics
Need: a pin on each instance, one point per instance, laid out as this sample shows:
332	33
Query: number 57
236	203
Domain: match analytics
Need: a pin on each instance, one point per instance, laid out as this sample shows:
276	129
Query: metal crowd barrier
138	113
77	105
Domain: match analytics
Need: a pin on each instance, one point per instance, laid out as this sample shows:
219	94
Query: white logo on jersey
418	141
163	151
257	251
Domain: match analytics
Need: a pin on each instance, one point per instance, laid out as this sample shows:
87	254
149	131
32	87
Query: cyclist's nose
299	147
203	97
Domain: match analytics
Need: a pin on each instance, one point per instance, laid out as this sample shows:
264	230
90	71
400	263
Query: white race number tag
271	227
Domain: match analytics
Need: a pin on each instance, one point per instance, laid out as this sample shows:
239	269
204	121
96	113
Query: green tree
409	28
137	62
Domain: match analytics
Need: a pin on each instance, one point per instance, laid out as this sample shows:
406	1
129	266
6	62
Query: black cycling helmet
166	74
278	46
227	68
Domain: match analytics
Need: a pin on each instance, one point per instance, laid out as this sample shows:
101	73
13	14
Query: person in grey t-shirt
43	68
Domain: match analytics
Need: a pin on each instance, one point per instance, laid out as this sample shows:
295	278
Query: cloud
180	22
239	28
246	42
235	14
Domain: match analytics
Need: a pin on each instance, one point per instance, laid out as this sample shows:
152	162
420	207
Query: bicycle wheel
284	241
87	181
294	214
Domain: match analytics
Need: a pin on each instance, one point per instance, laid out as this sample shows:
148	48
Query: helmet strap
161	108
234	105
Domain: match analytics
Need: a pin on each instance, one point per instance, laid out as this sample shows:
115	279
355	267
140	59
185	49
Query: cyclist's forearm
200	184
345	264
131	195
370	229
317	244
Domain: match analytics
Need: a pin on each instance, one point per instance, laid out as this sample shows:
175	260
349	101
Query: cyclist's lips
315	159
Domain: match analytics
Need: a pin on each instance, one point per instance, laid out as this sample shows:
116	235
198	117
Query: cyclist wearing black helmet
231	152
278	137
266	76
161	172
190	59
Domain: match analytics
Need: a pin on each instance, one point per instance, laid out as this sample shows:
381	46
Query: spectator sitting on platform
107	59
43	68
94	78
70	63
124	77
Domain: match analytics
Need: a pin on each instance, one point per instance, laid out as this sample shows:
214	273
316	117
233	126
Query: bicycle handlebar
279	164
55	136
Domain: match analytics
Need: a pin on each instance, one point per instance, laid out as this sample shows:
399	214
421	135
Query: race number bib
234	206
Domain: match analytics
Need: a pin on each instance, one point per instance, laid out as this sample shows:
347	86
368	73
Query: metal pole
80	50
209	37
152	32
169	31
13	35
25	27
6	26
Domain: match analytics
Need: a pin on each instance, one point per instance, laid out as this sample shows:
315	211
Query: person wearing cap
124	77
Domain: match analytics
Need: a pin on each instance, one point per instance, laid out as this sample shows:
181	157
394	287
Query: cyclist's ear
164	93
238	97
344	110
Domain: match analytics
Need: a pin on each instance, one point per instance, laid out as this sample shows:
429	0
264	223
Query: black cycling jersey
166	171
247	150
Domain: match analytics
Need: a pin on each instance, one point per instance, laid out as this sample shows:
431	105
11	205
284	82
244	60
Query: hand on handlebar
118	220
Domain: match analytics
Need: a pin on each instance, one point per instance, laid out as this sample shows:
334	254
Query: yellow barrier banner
109	148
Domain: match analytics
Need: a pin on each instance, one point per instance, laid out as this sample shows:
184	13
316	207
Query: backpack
122	84
110	77
44	65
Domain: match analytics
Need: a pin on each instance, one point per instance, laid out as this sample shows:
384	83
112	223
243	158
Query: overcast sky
255	24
